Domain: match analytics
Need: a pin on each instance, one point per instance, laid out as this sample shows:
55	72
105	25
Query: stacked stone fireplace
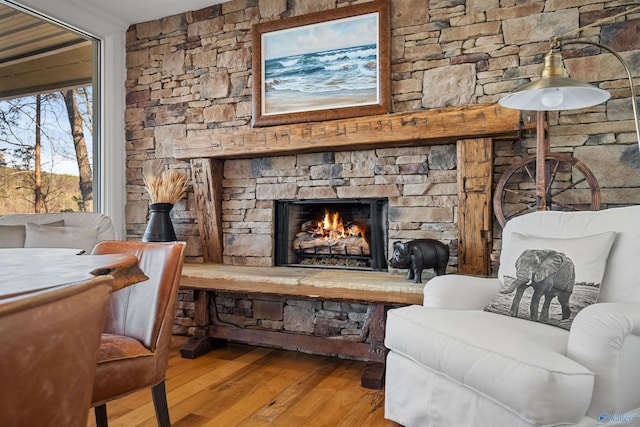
414	188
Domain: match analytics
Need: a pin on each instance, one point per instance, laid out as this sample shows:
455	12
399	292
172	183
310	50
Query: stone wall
191	72
338	320
321	318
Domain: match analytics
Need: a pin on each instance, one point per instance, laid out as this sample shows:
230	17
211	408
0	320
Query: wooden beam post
475	218
207	188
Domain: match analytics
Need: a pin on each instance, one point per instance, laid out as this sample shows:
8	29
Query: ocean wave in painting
347	69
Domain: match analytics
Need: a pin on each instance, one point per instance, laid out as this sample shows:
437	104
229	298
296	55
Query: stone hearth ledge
304	282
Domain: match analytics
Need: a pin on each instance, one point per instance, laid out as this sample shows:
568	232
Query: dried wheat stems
168	187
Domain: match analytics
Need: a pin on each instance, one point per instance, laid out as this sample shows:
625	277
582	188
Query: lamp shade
554	90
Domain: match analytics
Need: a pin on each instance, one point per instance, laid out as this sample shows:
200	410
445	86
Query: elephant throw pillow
549	279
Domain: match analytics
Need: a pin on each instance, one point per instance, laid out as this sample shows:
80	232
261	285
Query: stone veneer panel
339	320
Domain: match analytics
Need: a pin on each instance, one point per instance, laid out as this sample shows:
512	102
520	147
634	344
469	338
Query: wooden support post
201	343
207	188
475	218
374	371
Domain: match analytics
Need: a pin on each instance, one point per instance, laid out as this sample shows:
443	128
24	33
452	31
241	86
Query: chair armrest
605	338
458	292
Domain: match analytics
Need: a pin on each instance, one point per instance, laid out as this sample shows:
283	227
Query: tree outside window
45	152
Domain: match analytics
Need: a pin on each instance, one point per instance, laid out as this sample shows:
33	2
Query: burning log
308	244
330	237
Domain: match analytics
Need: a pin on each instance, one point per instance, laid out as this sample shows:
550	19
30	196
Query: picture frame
321	66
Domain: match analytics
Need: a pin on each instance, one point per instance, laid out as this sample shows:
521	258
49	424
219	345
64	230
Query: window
48	105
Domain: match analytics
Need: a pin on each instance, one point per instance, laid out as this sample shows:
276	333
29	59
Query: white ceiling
135	11
120	13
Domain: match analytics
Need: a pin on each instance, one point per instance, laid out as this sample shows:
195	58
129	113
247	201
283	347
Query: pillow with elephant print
550	280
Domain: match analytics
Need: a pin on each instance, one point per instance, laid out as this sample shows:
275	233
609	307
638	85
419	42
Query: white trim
113	153
112	33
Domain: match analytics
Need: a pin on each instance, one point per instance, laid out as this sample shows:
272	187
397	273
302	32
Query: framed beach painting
322	66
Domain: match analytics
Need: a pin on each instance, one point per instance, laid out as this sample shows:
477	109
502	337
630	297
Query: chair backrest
621	282
145	311
48	350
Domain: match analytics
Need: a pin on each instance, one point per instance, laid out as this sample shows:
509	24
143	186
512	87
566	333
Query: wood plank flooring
246	386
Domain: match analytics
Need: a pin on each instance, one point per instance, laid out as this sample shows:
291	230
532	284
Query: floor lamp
556	91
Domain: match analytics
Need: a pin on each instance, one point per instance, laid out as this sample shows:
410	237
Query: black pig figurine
416	255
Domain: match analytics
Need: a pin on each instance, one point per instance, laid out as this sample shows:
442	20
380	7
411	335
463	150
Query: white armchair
451	363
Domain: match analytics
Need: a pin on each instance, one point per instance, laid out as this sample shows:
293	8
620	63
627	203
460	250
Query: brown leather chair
48	349
134	350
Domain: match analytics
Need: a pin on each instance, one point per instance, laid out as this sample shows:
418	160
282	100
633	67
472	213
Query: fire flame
332	227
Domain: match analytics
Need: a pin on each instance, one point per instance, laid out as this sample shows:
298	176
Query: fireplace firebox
332	233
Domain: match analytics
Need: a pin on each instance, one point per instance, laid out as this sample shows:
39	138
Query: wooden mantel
427	127
473	128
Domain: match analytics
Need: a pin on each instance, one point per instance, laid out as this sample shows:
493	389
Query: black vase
160	227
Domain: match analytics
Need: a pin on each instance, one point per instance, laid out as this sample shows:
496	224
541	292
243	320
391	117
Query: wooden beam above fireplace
427	127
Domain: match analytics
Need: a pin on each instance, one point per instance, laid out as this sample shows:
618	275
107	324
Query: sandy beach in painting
334	78
290	101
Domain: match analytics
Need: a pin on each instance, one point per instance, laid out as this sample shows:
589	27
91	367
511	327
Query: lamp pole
542	150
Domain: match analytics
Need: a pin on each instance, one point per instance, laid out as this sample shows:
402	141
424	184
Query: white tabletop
25	270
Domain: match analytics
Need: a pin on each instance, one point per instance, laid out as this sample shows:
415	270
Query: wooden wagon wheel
569	185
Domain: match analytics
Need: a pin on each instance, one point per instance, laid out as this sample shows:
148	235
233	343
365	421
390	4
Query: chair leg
101	415
159	394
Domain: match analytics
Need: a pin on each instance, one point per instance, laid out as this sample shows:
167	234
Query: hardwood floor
241	385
